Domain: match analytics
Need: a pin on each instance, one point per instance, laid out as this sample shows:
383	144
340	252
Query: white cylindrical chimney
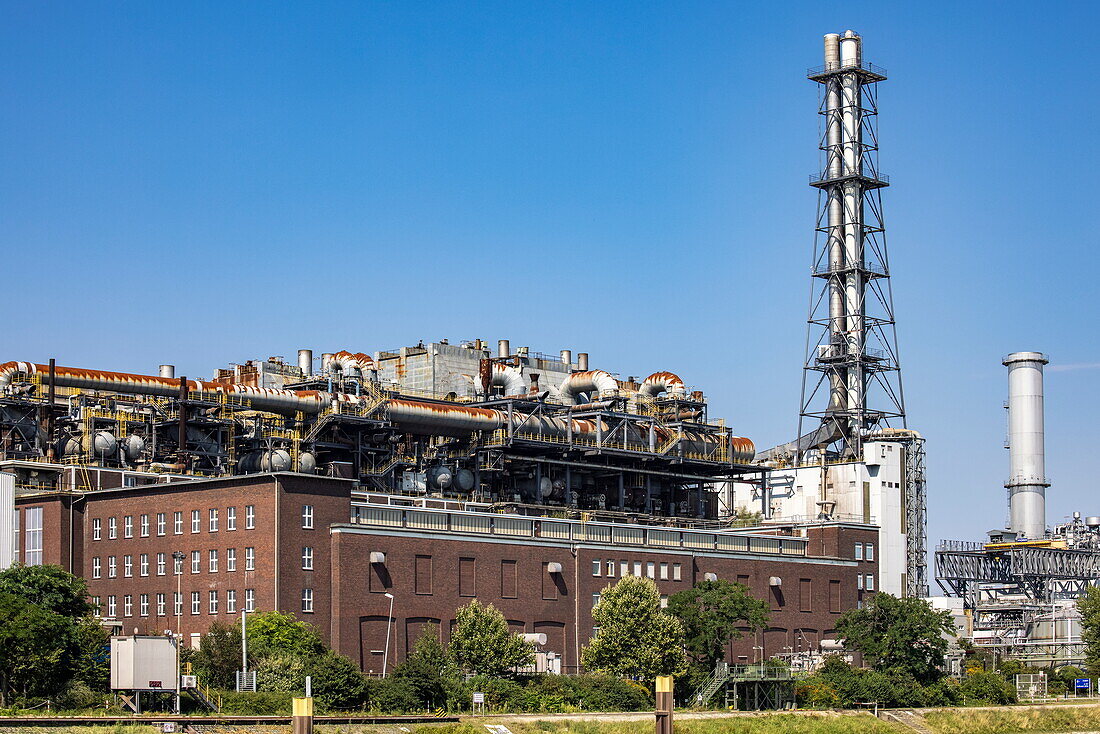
1027	480
849	49
567	357
582	361
832	51
503	348
326	361
167	370
305	361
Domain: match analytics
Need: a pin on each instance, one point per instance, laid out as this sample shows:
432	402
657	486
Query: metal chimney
167	370
582	361
567	357
1027	480
305	361
503	348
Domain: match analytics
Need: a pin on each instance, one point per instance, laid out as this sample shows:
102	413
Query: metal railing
822	176
864	66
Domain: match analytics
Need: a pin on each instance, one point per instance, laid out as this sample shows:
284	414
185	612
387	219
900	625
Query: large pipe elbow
586	383
510	378
356	365
663	382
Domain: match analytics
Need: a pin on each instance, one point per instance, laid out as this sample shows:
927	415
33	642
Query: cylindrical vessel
1027	480
567	357
832	51
167	370
503	348
834	167
582	361
326	361
305	361
851	119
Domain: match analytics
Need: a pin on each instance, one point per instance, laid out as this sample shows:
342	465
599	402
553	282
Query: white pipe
510	378
305	361
835	222
583	383
663	382
852	147
1027	480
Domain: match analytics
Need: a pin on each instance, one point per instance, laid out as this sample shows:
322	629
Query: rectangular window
611	569
676	572
250	600
145	526
307	517
231	518
128	526
127	565
213	604
196	561
112	528
664	601
307	558
32	537
177	603
230	559
595	600
177	523
196	603
250	559
98	607
307	601
664	571
597	567
624	568
97	528
143	605
128	605
870	585
508	579
196	521
870	554
161	611
160	564
650	569
112	606
230	602
97	567
638	568
859	581
422	575
112	567
177	564
249	517
213	520
805	595
213	560
859	551
143	561
467	577
161	525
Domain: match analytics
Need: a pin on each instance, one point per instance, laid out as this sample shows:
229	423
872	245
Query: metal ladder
714	683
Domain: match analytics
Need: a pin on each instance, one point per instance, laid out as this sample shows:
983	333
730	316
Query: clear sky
203	183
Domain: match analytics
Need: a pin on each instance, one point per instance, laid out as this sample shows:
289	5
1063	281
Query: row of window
213	523
212	603
32	536
212	557
865	582
865	551
653	569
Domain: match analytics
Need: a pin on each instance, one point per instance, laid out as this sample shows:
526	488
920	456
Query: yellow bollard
303	716
664	704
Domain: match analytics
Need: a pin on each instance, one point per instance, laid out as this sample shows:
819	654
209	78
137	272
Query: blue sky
202	183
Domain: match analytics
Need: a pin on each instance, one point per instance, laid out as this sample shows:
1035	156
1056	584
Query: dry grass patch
1015	720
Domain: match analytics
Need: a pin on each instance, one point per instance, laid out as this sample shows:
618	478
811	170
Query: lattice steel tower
851	344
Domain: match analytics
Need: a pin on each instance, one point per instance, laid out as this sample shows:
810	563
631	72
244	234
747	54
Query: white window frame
161	564
212	558
230	601
249	559
196	602
112	528
859	551
307	558
112	606
144	525
869	585
196	521
128	566
650	570
677	574
212	602
112	567
177	604
249	517
97	567
162	524
143	564
213	523
162	608
128	526
32	537
196	561
128	605
610	569
97	529
663	571
230	559
177	523
230	518
307	517
307	601
868	551
250	600
597	567
143	605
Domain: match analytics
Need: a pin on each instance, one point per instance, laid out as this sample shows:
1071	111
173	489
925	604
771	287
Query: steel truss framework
1042	574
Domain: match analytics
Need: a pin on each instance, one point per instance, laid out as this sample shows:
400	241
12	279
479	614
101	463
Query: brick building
326	551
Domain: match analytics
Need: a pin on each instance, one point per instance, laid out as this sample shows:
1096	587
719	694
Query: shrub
336	681
989	688
260	703
391	695
281	672
79	695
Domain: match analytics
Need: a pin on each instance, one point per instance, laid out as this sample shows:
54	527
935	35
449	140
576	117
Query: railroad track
213	720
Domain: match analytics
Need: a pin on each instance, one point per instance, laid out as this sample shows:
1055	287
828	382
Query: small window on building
870	585
145	527
161	609
177	523
676	572
97	605
611	569
112	528
638	568
32	537
177	603
870	552
143	564
307	517
859	551
143	605
231	518
597	567
196	521
859	581
249	517
160	564
624	568
650	569
112	567
128	526
307	601
664	572
664	601
307	558
250	600
128	605
97	529
112	606
231	602
161	524
467	577
230	559
250	559
213	561
96	567
213	602
213	520
196	603
196	561
595	600
127	566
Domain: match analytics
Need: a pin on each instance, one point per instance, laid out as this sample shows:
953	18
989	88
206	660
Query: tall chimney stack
1027	481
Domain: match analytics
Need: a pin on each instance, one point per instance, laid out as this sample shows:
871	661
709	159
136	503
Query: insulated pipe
1027	480
357	364
582	361
852	147
503	348
167	370
660	382
835	218
305	361
510	378
579	383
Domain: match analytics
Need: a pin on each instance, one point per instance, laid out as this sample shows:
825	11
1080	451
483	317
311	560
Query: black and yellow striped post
664	704
303	716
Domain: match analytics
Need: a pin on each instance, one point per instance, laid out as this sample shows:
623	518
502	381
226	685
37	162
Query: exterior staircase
714	683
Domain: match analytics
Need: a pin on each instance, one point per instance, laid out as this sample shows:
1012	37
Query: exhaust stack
1027	482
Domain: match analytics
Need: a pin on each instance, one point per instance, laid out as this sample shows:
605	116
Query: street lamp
177	566
389	626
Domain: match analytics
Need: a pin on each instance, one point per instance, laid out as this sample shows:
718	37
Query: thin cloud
1073	367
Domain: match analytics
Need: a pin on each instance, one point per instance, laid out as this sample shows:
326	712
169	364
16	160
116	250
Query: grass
1047	719
116	729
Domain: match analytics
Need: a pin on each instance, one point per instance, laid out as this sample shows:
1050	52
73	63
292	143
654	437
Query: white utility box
143	663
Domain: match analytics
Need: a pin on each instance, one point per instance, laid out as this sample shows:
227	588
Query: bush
281	672
987	688
79	695
945	692
391	695
337	682
261	703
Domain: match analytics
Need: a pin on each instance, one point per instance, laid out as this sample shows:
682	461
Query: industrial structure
1020	586
854	456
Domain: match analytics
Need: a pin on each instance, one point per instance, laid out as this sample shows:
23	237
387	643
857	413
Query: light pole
389	626
177	566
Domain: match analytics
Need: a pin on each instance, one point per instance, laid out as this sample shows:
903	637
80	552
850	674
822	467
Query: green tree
284	672
274	632
337	681
36	648
430	669
219	655
482	644
711	611
50	587
903	634
1088	605
636	639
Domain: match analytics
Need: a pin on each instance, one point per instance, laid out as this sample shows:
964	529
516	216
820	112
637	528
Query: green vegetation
482	644
636	638
1089	607
899	635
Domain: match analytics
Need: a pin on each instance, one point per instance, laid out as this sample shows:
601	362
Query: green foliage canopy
482	644
904	634
1089	607
636	638
711	612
